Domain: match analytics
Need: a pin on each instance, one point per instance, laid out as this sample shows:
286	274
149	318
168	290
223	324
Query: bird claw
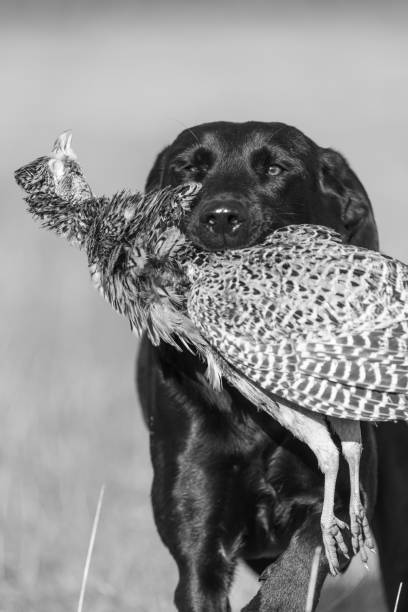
333	540
361	537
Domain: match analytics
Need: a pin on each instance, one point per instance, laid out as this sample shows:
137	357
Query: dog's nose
225	218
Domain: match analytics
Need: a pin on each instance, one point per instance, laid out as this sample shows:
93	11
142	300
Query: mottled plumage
302	320
129	240
320	323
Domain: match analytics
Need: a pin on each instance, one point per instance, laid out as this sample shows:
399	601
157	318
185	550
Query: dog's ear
156	174
341	188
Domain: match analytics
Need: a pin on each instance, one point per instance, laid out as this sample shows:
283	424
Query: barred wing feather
346	361
280	377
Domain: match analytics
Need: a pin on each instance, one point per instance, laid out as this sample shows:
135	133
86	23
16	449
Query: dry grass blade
313	579
90	549
398	597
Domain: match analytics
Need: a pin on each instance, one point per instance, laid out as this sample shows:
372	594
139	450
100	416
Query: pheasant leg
331	525
312	429
350	437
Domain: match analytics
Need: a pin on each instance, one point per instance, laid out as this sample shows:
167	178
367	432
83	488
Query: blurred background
126	77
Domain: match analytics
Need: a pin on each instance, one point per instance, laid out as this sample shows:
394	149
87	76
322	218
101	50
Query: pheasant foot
361	537
333	541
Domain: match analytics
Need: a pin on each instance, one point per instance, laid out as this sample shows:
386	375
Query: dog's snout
223	219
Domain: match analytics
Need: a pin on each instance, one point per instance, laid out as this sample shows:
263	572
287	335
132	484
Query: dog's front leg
199	500
198	515
199	506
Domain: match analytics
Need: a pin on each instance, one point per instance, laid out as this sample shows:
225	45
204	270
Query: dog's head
257	177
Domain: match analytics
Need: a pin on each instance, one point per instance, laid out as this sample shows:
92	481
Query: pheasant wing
341	352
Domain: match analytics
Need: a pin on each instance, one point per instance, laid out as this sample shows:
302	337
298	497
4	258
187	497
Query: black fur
229	482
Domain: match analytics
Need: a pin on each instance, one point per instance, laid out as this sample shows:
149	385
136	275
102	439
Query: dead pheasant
300	320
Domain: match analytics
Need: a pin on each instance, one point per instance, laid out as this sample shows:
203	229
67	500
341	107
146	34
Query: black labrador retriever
229	482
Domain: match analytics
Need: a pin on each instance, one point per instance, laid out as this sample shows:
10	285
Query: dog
229	482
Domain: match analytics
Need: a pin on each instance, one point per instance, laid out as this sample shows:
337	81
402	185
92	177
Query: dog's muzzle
223	224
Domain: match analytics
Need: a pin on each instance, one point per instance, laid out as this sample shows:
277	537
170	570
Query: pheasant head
59	174
57	192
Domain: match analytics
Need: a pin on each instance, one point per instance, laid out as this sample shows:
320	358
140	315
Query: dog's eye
274	170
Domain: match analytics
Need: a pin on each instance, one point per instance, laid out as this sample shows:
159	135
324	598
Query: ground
126	82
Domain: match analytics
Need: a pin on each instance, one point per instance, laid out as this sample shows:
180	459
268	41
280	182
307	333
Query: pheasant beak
62	146
61	152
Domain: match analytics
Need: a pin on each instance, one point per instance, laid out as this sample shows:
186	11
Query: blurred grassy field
126	81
